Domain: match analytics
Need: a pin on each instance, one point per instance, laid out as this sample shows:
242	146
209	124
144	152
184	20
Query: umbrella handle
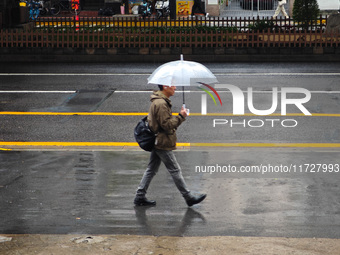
183	96
188	110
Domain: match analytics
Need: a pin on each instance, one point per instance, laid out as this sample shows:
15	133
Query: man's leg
284	11
150	172
200	9
193	9
170	162
277	11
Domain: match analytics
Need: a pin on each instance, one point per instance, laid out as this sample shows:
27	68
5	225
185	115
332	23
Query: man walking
281	8
197	5
162	122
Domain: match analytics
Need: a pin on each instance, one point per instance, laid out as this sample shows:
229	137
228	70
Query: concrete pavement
165	245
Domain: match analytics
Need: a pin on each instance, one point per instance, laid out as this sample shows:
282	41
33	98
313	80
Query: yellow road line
75	144
78	144
133	144
292	145
78	113
145	113
274	114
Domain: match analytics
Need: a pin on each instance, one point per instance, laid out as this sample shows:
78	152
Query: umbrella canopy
181	73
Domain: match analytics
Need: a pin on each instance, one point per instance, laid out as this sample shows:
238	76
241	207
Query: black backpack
144	136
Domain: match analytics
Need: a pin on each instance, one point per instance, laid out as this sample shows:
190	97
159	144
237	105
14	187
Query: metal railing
160	39
107	23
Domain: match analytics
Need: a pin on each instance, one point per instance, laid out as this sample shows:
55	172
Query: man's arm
167	121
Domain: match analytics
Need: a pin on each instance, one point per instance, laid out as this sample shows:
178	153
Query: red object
75	4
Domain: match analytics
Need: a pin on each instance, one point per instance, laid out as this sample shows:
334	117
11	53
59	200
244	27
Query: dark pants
197	5
169	159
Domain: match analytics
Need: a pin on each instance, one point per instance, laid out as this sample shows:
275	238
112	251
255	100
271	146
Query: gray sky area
329	4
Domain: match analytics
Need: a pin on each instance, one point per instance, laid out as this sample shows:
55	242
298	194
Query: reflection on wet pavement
91	192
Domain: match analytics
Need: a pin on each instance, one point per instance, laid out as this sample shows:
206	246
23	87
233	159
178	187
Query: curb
158	55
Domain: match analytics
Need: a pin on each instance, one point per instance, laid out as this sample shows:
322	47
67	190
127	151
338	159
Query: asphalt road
58	186
124	88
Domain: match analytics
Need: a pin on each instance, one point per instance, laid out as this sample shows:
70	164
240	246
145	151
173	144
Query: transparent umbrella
181	73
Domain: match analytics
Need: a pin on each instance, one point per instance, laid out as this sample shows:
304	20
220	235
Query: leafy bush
306	12
262	25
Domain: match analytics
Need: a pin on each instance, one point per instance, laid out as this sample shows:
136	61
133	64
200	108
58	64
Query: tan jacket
162	121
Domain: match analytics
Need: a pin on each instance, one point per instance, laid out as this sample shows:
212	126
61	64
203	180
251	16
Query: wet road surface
89	189
85	192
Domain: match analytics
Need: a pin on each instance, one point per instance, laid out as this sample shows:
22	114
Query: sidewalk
165	245
86	197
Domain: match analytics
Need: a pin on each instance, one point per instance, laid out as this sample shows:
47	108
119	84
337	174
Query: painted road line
145	91
276	74
79	113
269	145
145	113
222	91
79	144
67	144
273	115
133	144
38	91
148	74
74	74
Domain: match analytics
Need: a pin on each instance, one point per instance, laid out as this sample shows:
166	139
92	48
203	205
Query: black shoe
196	199
144	202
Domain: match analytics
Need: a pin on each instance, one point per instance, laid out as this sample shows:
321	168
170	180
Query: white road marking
137	74
37	91
222	91
71	74
278	74
137	92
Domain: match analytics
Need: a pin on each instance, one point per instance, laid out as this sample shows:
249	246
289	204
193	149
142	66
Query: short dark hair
160	87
